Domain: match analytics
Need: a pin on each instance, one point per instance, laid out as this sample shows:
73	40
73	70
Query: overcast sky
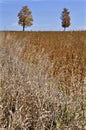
46	14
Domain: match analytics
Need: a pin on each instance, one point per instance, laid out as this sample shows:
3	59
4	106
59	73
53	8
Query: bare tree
25	17
65	18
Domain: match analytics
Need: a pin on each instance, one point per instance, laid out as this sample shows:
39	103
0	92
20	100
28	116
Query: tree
65	18
25	17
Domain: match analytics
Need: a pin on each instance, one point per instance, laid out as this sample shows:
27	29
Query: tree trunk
23	27
64	28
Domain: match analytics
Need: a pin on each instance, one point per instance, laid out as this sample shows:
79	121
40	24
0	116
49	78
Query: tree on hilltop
65	18
25	17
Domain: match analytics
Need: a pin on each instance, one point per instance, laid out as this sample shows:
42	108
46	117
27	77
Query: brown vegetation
43	80
65	18
25	17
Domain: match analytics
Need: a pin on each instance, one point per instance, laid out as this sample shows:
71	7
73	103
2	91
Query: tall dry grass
42	81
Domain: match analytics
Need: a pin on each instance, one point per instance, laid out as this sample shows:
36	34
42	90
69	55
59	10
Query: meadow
43	80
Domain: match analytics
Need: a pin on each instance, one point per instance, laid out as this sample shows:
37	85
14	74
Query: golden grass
43	75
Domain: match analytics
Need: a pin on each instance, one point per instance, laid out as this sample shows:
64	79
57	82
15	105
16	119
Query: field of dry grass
43	80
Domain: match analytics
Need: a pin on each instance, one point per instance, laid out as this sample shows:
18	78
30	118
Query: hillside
40	73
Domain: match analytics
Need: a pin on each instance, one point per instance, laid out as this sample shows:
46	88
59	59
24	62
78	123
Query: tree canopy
25	17
65	18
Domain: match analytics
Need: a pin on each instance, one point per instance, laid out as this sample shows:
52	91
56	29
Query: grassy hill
43	80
